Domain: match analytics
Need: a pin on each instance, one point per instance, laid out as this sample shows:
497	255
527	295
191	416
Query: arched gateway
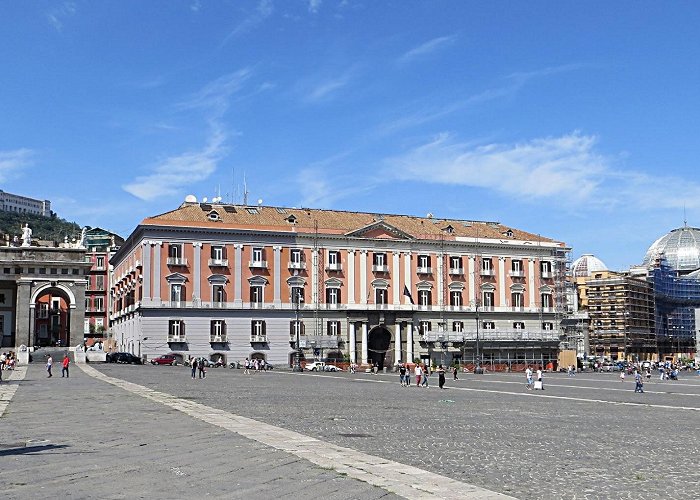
378	346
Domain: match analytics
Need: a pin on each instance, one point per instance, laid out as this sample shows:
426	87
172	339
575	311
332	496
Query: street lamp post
297	298
477	368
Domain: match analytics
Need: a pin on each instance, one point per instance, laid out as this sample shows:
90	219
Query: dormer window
213	216
509	233
291	219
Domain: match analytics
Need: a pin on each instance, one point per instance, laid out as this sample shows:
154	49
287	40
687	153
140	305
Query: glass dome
587	264
681	247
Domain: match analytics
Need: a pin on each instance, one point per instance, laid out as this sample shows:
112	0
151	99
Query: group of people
8	361
257	365
198	366
422	374
531	383
64	366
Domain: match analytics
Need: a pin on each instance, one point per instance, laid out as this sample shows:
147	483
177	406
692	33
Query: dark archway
52	318
378	343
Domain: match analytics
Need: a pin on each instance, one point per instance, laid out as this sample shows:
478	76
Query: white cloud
314	5
565	170
12	161
427	47
195	6
172	174
215	95
264	9
58	15
539	168
324	89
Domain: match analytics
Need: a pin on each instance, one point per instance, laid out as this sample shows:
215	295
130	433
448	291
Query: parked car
165	359
332	368
123	357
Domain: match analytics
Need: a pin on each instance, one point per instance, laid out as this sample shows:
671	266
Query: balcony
138	264
176	338
177	261
547	274
516	274
319	341
336	266
258	339
257	264
380	268
487	272
456	271
218	338
296	265
218	262
424	270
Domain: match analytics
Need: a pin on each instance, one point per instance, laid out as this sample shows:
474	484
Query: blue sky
575	120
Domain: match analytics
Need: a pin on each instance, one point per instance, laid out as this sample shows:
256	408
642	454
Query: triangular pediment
176	278
217	279
380	229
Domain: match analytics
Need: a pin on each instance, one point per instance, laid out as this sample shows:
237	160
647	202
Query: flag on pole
407	293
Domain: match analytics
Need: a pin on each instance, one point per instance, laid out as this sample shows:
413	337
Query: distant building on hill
24	205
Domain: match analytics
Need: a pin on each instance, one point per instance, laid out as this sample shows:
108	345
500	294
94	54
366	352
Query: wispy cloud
321	187
175	172
215	96
319	89
264	9
59	14
172	174
427	48
13	161
420	114
314	5
567	170
195	6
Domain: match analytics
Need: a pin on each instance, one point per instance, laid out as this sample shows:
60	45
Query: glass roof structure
586	265
681	247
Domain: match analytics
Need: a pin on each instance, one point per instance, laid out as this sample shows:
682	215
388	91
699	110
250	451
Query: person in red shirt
64	371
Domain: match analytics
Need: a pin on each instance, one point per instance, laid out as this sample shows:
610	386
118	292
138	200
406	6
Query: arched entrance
52	318
378	343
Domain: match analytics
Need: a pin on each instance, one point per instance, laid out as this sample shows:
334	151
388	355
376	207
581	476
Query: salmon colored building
229	282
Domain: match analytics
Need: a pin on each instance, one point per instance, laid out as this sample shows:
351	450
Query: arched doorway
52	318
378	343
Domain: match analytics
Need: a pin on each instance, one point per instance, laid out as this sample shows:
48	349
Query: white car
315	366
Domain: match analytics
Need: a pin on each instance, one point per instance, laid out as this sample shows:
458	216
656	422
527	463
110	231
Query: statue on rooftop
26	236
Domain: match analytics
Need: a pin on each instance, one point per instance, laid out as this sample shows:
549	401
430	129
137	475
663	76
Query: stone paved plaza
585	437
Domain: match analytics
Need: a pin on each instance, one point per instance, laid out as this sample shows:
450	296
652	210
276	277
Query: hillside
43	228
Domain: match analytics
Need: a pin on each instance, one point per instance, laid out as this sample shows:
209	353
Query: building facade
100	245
23	204
232	282
42	296
621	315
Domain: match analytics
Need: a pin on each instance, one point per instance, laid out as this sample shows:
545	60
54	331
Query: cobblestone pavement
82	438
589	436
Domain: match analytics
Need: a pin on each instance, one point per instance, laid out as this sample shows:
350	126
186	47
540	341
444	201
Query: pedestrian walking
49	364
454	372
528	378
193	362
441	377
246	367
622	376
202	369
426	374
639	384
540	383
419	374
64	370
402	374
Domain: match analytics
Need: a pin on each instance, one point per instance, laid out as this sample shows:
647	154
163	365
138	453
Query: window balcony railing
547	274
337	266
380	268
218	262
257	264
258	339
218	338
334	305
296	265
177	261
424	270
456	271
176	338
516	274
488	272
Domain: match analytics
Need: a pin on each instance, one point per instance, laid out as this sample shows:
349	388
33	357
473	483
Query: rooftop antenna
685	217
245	192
